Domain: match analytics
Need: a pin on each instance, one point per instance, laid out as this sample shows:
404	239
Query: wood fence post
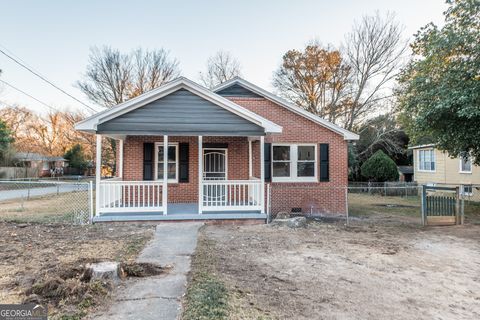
457	206
424	198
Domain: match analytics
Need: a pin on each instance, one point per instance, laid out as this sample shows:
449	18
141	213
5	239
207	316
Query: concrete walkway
159	297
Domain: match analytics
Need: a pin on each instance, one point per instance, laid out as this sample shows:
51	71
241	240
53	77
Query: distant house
433	167
40	165
405	173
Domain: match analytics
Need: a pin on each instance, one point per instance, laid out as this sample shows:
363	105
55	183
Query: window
426	160
306	161
465	163
172	167
466	190
281	161
294	162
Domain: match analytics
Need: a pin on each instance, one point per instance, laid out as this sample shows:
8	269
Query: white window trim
434	160
460	161
293	163
172	144
462	190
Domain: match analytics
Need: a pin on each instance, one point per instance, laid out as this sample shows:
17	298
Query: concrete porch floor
179	212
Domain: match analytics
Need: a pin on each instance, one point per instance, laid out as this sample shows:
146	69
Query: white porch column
250	168
98	172
262	171
120	158
165	175
200	174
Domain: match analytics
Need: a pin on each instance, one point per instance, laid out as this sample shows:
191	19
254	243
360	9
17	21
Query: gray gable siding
236	90
180	113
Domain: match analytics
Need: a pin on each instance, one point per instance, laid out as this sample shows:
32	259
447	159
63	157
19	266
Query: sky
55	37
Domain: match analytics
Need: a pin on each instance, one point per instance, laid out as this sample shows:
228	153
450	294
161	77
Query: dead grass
398	210
37	255
206	296
209	295
141	270
44	209
365	205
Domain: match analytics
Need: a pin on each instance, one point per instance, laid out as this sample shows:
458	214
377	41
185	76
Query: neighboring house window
465	163
466	190
294	162
172	166
426	160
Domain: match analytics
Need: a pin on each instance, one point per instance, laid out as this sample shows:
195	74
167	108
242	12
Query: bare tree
221	67
52	134
151	70
113	77
315	79
108	77
374	50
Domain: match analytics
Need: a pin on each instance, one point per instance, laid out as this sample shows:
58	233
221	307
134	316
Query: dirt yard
36	256
329	272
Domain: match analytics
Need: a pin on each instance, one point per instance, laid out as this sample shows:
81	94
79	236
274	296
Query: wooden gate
441	206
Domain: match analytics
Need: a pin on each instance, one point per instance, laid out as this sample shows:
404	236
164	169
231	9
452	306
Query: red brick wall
237	166
320	196
325	197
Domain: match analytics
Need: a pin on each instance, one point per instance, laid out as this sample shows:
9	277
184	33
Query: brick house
234	152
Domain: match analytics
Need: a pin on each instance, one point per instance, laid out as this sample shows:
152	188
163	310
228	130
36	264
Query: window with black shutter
183	165
148	160
267	159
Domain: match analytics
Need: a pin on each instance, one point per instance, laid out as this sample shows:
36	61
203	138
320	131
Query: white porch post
120	160
98	172
250	168
262	172
200	174
165	175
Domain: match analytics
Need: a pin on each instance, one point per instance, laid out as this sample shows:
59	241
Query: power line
43	78
28	95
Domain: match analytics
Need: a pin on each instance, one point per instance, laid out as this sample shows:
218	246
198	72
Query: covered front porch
213	186
183	153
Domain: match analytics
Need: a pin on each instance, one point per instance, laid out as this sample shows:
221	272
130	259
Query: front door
214	168
215	164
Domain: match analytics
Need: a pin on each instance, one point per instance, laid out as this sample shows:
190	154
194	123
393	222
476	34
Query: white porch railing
129	196
231	195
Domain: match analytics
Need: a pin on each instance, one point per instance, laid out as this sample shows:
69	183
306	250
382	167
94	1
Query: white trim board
347	135
90	124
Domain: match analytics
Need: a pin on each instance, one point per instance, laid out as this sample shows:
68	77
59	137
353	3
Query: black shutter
148	161
183	162
268	161
324	162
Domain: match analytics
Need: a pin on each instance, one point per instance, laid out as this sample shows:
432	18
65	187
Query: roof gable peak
347	135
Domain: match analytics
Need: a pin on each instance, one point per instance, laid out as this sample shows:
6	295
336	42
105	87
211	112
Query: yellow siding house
436	167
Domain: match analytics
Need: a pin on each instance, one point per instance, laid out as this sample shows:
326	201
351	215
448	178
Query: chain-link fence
358	204
46	201
387	204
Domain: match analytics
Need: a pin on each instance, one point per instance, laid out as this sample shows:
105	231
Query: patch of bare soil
368	272
46	262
